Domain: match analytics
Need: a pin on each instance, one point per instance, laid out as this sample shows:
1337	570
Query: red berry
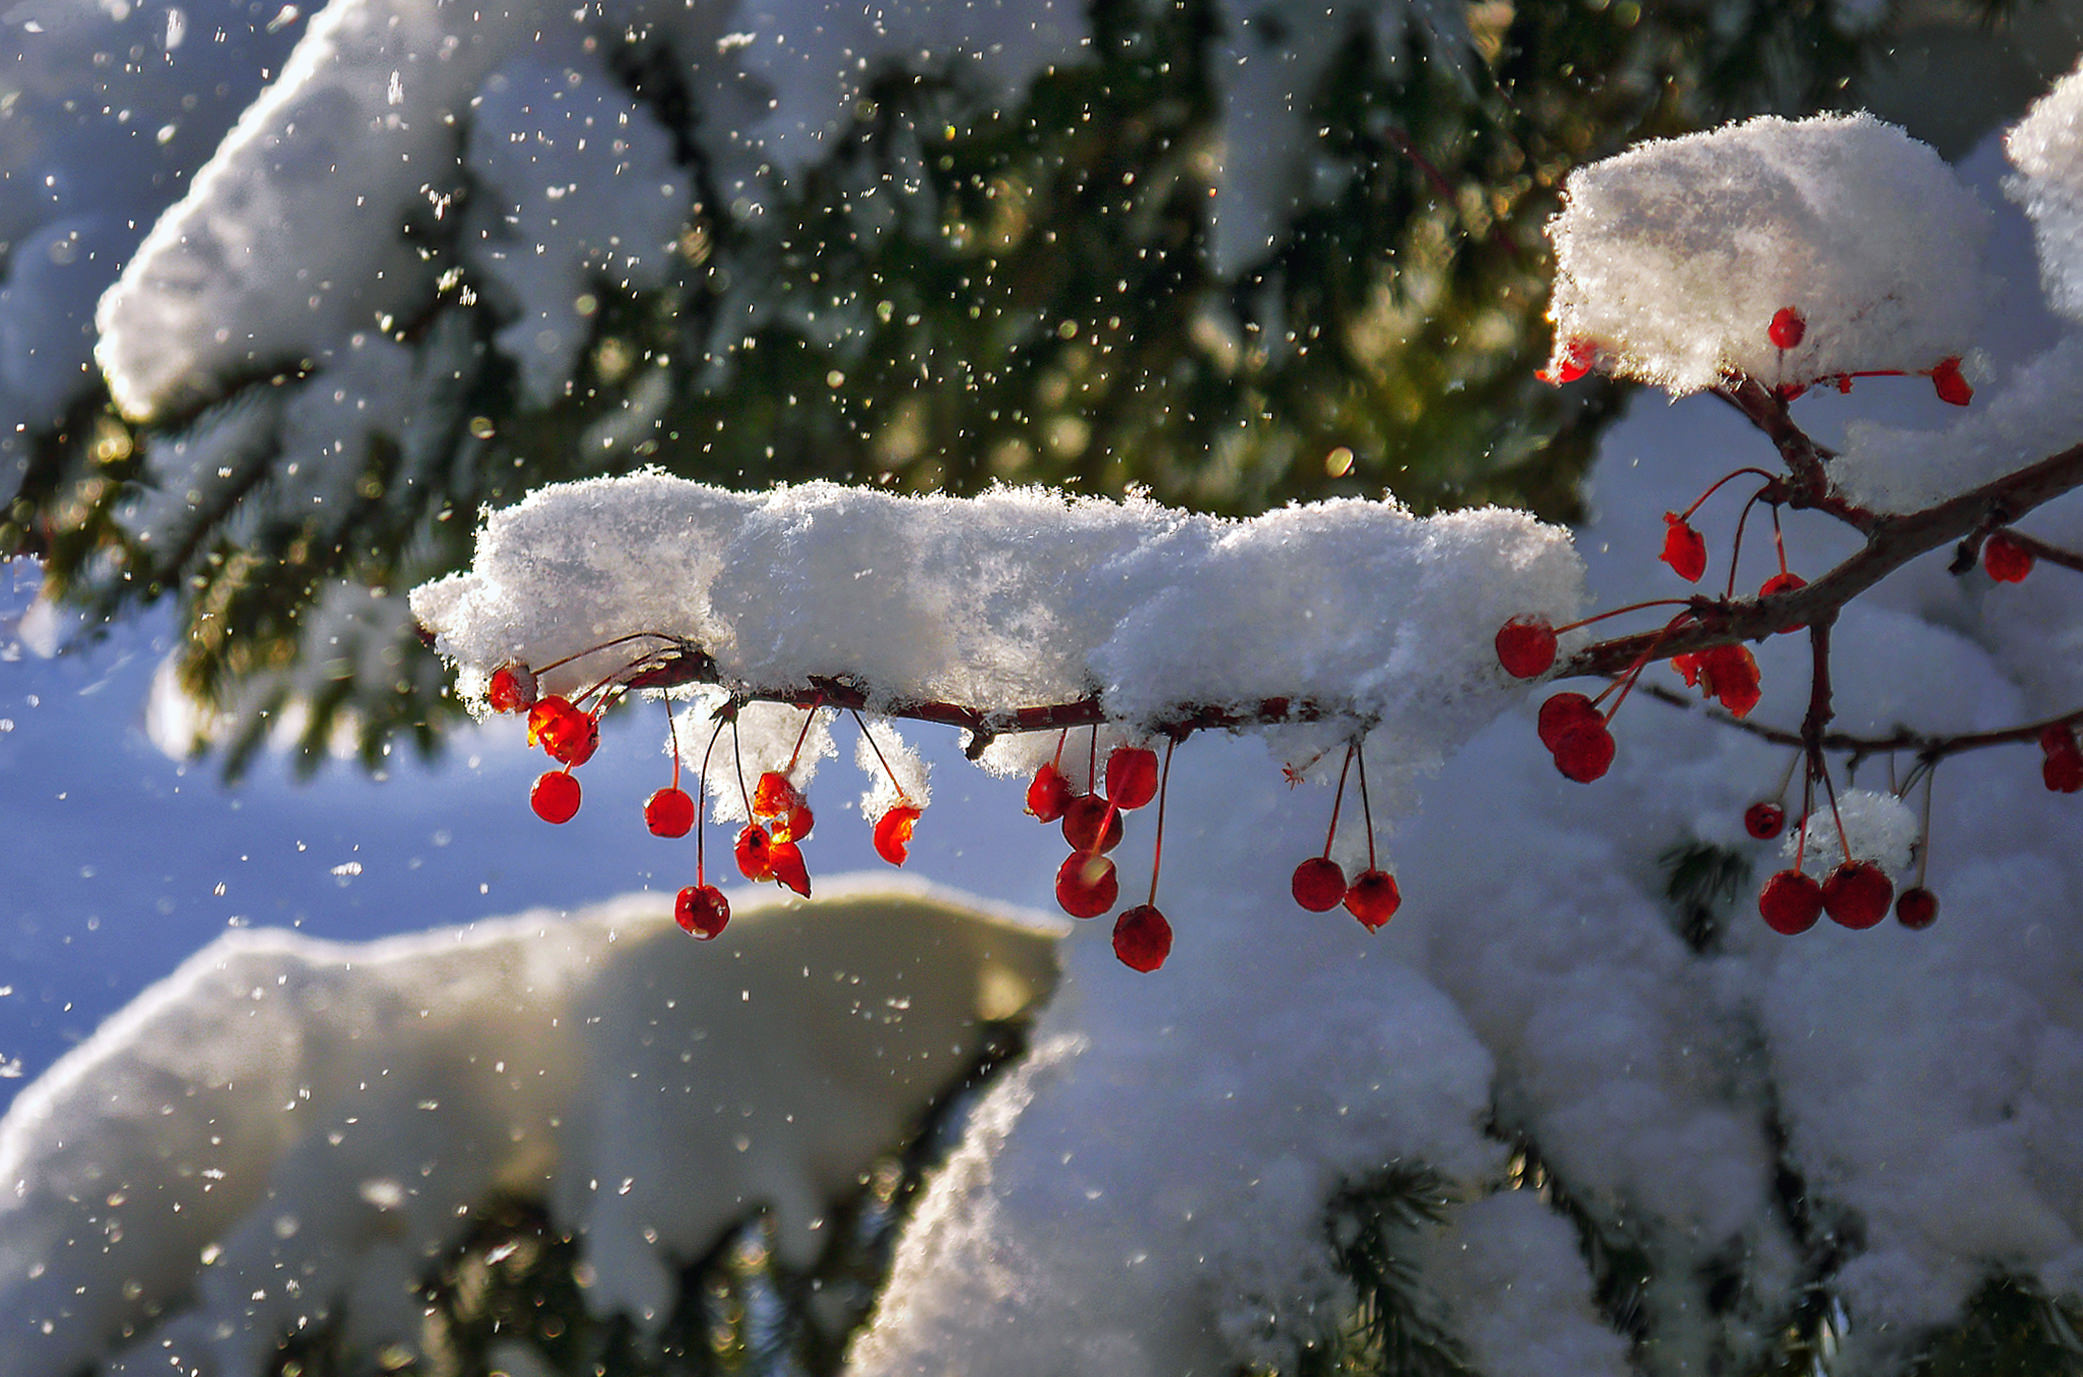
555	796
2006	559
1787	328
2063	773
1318	885
567	734
774	795
754	851
1131	776
1374	898
512	688
797	827
1577	357
701	910
1781	583
669	813
2059	739
1727	672
1526	647
1917	909
1563	711
1856	894
1764	820
1790	902
1085	885
1049	794
1685	550
1142	938
785	861
1090	823
1950	386
1585	752
893	833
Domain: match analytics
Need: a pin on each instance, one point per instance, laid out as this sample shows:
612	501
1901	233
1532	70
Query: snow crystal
282	1106
1877	827
1673	257
2047	149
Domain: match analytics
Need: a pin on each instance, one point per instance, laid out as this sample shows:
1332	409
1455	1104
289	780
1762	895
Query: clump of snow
2047	149
1673	257
896	773
287	1130
1878	827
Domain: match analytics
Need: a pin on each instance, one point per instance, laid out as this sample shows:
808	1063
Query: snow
1672	258
2047	149
287	1128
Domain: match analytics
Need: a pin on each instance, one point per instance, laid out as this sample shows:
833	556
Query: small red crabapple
798	824
754	850
1578	355
669	813
1563	711
1318	884
785	864
1764	820
1787	329
2005	558
512	688
1526	647
893	833
1374	898
1917	908
1790	902
2063	774
1685	549
1049	794
569	735
774	795
1950	386
1142	938
555	797
1086	886
1585	752
701	910
1091	824
1131	776
1781	583
1856	894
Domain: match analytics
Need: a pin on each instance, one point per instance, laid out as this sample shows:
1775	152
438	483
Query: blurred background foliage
956	296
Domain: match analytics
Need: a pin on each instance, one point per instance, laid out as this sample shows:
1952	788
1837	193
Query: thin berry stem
701	784
1743	519
1337	798
1622	611
1769	478
737	755
1366	808
808	717
1164	782
869	737
672	735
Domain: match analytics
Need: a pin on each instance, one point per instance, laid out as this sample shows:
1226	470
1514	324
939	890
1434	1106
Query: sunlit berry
796	827
1575	360
512	688
893	833
1142	938
701	910
569	735
754	852
555	797
1563	711
1764	820
1917	908
2005	558
1526	647
1373	898
1857	893
1131	776
1950	386
1787	329
1049	794
1086	886
785	864
1790	902
774	795
669	813
1091	824
1685	549
1318	884
1781	583
1585	752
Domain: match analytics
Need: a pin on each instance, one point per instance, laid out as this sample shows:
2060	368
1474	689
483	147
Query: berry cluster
1319	883
1086	884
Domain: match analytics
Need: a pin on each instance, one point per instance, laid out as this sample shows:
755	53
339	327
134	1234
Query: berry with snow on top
1526	647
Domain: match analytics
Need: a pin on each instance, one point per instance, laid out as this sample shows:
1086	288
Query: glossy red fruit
701	910
1585	752
754	852
1790	902
567	734
1086	886
1764	820
1374	898
2005	558
1131	776
1857	894
774	795
555	797
1950	386
1685	550
543	712
1318	884
1781	583
1526	647
1577	357
1049	794
785	861
1787	329
1563	711
1089	824
669	813
1142	938
893	833
798	824
1727	672
512	688
2063	773
1917	908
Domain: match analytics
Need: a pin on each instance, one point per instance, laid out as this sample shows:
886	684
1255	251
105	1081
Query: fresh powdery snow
286	1129
1672	258
2047	149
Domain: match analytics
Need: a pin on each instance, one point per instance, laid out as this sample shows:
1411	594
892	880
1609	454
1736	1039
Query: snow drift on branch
287	1129
1672	258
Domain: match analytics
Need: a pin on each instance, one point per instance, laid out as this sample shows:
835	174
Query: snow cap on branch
1673	258
2047	149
